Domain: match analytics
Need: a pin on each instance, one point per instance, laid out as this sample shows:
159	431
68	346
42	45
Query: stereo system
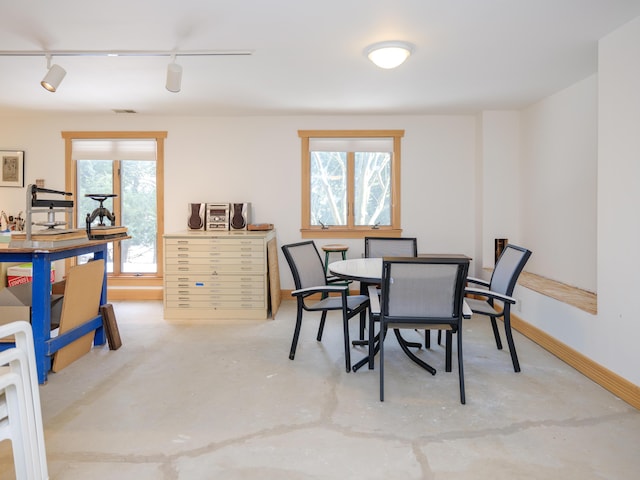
219	216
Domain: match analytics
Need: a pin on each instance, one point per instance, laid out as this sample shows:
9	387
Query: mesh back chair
309	278
425	292
395	247
500	287
378	247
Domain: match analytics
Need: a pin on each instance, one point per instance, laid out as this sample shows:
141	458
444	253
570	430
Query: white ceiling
307	56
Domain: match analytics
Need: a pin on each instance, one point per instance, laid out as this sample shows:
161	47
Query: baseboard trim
128	293
607	379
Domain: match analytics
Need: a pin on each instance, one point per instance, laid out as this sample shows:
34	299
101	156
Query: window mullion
117	211
350	188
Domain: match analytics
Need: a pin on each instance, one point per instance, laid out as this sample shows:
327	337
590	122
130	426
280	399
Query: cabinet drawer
171	292
203	296
225	282
205	254
213	243
204	268
226	304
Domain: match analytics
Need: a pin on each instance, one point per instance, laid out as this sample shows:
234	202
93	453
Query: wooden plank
274	276
81	303
111	326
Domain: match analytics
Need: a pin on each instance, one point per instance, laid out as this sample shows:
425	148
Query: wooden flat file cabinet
216	275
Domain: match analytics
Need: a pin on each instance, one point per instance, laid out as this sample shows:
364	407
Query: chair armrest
331	279
374	300
303	292
490	294
478	281
466	310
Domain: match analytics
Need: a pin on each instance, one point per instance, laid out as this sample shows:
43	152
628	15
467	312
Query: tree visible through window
350	181
134	183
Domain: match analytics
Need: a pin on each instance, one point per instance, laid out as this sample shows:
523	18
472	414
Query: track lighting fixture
174	76
54	76
56	73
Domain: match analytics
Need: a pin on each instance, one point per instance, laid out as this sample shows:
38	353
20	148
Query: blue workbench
41	258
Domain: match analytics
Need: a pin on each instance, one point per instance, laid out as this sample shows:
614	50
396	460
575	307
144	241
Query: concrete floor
224	401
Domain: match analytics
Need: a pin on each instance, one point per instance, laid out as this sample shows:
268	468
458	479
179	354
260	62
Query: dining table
368	271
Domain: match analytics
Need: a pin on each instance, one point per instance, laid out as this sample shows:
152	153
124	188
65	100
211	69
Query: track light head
174	76
54	76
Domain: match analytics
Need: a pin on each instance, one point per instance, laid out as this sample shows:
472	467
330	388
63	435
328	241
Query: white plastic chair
20	410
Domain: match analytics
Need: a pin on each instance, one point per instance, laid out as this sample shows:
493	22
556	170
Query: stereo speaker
240	216
196	216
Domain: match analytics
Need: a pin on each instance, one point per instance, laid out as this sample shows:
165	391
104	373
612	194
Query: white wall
559	176
501	180
618	326
580	171
257	159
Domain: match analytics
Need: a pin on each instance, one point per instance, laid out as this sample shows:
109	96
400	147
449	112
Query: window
350	183
129	165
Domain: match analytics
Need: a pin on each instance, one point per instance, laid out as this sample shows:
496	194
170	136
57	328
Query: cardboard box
23	273
15	304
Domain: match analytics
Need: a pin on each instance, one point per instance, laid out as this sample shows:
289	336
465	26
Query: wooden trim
113	134
396	221
309	231
604	377
574	296
71	173
349	233
135	281
349	133
305	203
136	294
577	297
160	203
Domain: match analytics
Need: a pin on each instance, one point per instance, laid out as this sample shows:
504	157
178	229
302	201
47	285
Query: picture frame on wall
11	168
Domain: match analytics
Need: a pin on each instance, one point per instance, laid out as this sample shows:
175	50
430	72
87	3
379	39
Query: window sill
349	233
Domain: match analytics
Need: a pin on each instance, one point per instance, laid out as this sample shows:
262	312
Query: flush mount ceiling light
174	71
389	54
54	76
174	76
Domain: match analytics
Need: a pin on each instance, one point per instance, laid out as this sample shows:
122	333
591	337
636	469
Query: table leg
41	312
100	337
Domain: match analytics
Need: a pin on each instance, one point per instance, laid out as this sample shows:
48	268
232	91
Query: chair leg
296	333
427	339
323	319
447	348
347	344
460	366
372	341
439	337
496	333
512	345
363	320
381	343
